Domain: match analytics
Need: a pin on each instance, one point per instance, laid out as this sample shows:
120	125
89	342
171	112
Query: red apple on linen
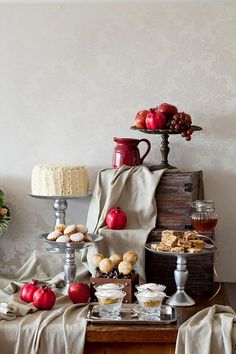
155	120
79	293
116	219
167	109
140	119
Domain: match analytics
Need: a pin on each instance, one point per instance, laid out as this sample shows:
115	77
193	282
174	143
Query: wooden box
174	195
160	269
129	286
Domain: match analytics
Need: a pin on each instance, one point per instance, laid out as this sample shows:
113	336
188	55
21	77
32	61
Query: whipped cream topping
148	294
109	286
152	286
111	294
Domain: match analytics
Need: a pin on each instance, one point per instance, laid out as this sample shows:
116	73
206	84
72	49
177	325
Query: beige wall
73	76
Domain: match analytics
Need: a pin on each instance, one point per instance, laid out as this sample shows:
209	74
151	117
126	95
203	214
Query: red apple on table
155	120
168	109
140	119
79	292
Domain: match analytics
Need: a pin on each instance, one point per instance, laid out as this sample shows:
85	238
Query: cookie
77	237
82	228
70	229
63	239
60	227
52	236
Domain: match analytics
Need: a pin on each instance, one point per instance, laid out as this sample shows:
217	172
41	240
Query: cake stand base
162	166
180	298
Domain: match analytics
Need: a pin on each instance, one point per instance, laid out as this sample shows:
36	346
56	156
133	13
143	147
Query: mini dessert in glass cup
110	302
150	301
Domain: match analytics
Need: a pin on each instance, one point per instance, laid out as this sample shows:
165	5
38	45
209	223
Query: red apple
116	219
140	119
168	109
79	292
155	120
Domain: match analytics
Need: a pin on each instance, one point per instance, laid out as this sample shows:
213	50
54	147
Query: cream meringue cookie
82	228
52	236
63	239
77	237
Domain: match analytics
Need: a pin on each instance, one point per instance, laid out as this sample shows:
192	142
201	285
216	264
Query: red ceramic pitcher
126	152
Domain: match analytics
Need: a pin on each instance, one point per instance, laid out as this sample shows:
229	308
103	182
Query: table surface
151	333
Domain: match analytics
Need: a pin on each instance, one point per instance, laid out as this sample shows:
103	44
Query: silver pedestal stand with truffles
181	298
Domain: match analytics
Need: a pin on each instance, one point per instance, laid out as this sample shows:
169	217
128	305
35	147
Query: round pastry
97	257
77	237
82	228
60	227
125	267
52	236
116	259
131	257
105	265
63	238
70	229
88	238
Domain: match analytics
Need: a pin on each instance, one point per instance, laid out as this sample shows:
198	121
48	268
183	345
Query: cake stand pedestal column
59	205
180	298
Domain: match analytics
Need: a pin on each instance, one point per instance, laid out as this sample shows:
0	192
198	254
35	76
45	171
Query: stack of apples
165	116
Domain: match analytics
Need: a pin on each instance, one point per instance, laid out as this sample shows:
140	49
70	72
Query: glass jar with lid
204	217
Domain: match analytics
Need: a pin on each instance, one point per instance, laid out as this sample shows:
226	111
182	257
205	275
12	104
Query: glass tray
130	314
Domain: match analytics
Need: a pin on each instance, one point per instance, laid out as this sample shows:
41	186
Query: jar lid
203	205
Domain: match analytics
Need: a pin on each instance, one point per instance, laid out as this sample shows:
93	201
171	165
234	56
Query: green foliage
4	220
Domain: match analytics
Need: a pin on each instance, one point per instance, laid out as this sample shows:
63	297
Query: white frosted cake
59	180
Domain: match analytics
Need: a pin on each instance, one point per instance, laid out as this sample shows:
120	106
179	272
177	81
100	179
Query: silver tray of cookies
131	314
186	243
72	245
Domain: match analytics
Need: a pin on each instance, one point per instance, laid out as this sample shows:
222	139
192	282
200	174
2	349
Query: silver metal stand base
180	298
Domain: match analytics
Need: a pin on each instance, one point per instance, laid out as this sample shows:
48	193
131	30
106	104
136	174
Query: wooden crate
174	195
129	286
160	269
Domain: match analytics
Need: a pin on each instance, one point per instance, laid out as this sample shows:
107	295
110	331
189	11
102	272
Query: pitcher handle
148	149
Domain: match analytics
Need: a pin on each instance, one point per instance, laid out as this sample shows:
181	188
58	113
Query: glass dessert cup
150	302
110	302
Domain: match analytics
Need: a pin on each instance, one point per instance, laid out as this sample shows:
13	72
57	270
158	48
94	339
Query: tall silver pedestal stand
180	297
60	206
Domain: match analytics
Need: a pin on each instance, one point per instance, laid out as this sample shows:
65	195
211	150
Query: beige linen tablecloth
210	331
133	190
26	330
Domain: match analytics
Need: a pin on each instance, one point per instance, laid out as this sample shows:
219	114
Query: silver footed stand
181	298
70	248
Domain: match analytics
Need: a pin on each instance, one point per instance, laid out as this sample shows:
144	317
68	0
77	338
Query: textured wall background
73	76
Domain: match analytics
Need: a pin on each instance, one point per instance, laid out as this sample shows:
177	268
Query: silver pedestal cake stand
70	248
181	298
59	205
